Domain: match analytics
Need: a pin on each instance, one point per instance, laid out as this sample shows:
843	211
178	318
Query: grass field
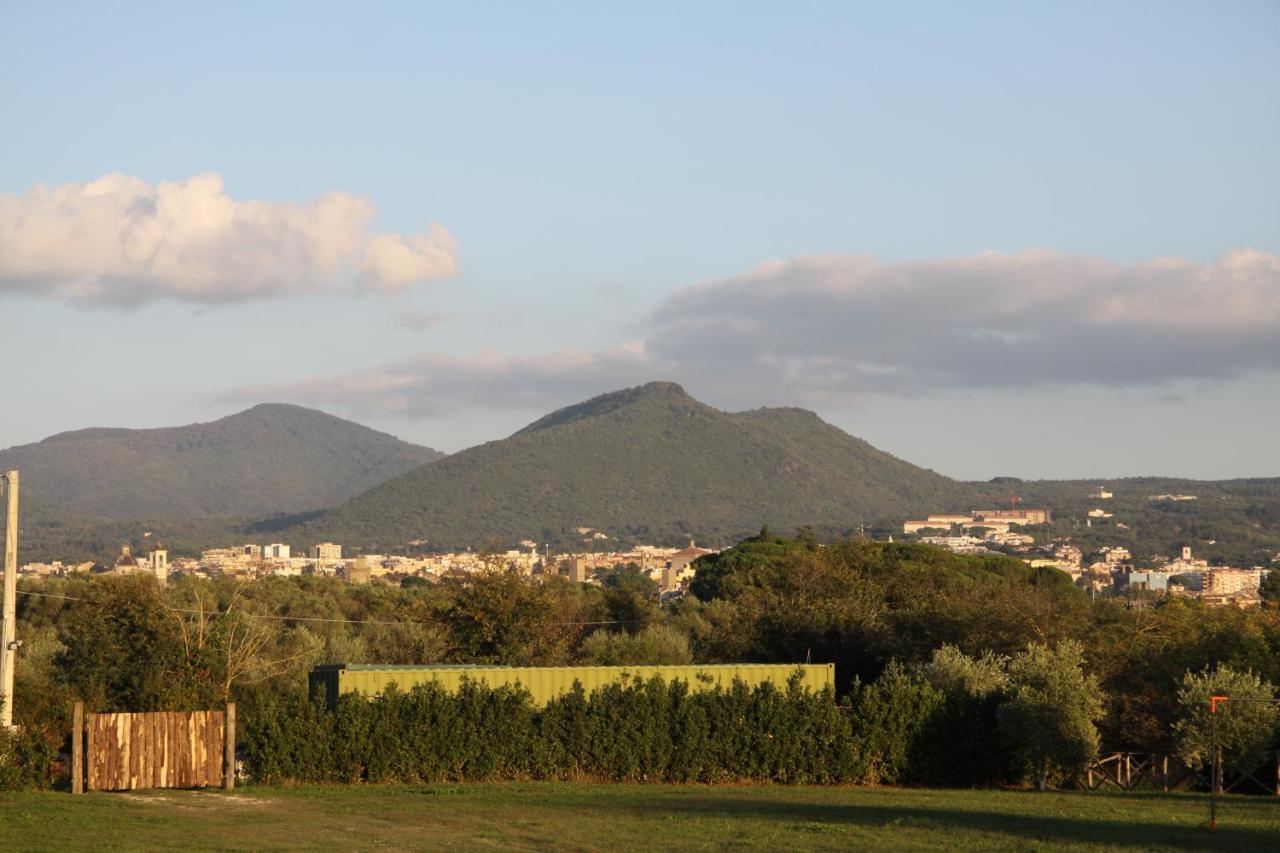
629	817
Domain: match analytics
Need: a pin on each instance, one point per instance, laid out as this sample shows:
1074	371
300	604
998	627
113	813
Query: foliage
1269	589
951	622
860	604
123	650
500	616
891	719
952	672
656	644
1245	728
634	731
962	744
1051	715
27	755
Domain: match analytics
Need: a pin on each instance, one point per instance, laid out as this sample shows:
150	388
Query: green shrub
636	730
27	757
892	718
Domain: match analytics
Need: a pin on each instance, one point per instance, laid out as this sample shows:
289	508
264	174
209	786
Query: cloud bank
123	241
814	329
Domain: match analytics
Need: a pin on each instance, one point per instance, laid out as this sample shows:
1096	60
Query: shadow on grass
1040	827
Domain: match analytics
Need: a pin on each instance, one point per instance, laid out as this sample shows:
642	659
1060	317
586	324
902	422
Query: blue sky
600	168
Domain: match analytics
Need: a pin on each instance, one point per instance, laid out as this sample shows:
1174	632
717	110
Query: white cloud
817	329
122	240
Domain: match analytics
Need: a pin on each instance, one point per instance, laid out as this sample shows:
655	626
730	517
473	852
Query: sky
1038	240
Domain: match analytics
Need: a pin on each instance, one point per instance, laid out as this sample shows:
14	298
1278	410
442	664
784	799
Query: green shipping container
548	682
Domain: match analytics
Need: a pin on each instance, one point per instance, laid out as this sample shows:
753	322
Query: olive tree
1050	717
1245	728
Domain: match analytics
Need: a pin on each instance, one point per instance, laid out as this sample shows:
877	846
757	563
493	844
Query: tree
953	672
1050	718
960	746
656	644
1269	590
502	617
124	651
1245	729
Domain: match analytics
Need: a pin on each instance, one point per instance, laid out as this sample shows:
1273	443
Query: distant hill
272	458
646	463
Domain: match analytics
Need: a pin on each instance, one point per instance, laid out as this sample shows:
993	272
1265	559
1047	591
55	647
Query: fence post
229	747
89	754
77	748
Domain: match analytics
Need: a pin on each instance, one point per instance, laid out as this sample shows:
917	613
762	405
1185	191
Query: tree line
938	648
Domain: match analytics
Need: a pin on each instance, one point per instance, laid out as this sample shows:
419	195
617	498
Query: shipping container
547	682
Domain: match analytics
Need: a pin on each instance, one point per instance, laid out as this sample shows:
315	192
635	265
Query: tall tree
1051	715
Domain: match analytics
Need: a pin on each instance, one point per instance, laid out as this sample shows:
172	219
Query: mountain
643	463
272	458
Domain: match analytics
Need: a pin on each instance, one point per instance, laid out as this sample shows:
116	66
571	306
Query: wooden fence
161	749
1130	771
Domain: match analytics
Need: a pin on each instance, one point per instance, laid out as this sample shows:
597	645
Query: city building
1013	516
326	552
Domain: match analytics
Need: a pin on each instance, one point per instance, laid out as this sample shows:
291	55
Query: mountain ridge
270	458
644	461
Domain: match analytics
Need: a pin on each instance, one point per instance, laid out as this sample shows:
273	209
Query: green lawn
629	817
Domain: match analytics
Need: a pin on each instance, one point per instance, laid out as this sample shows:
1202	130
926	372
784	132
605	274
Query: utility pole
8	637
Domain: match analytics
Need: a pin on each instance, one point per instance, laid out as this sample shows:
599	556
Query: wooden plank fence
160	749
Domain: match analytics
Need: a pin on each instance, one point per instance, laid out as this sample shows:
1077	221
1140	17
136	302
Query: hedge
637	730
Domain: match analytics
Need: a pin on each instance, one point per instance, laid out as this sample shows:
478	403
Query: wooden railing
1163	771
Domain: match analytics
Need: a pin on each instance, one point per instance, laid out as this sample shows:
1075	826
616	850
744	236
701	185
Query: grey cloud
420	321
434	384
814	329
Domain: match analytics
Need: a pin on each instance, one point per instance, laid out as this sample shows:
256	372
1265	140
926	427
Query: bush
633	731
961	745
27	757
891	720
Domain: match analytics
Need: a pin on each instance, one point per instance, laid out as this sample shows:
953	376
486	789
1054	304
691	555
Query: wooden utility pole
77	749
8	636
229	747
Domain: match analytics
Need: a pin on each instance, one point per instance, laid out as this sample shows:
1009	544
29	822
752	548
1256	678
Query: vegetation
647	731
1051	715
1246	723
592	817
272	458
954	670
1231	522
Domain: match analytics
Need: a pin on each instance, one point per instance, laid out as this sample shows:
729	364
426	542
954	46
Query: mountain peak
273	457
651	393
